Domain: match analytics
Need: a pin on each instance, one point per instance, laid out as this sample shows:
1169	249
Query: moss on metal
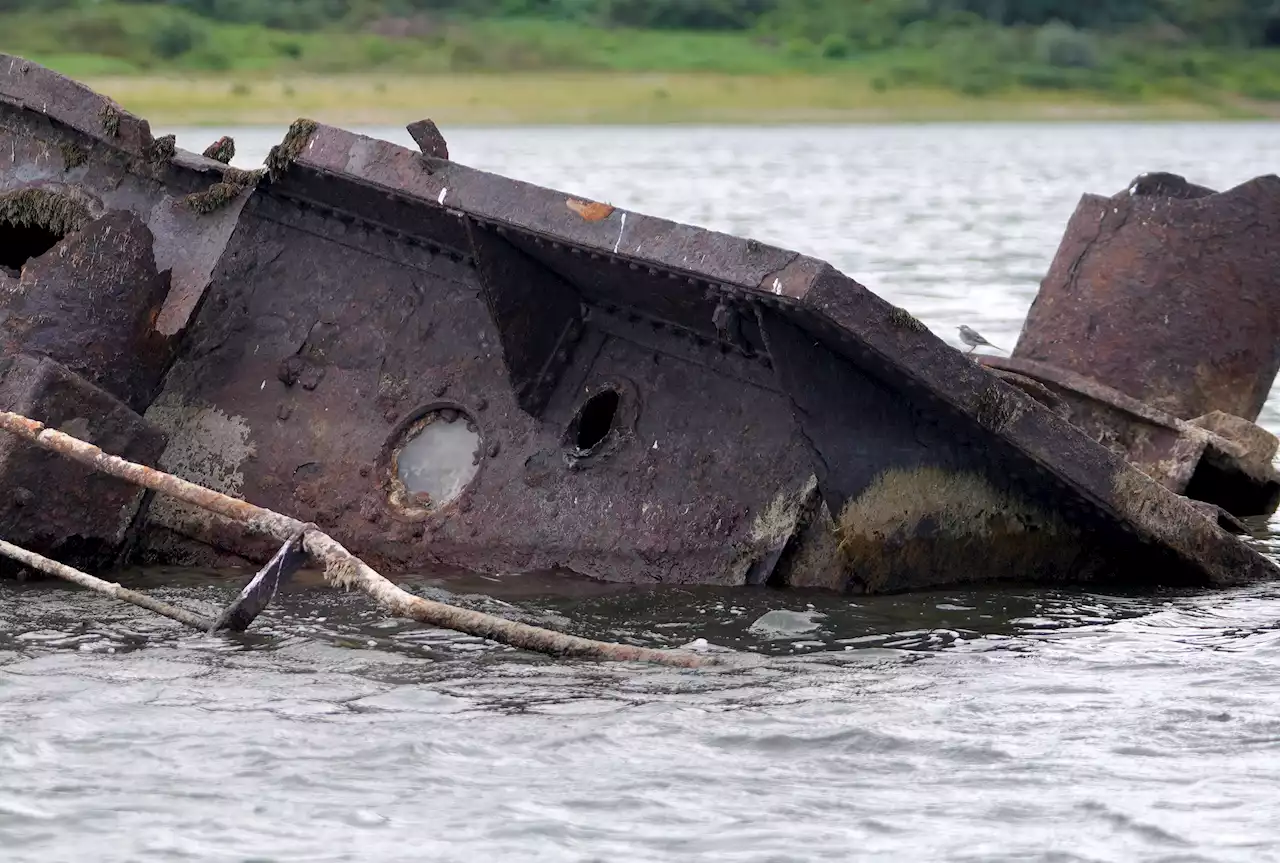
40	208
234	182
997	407
110	117
73	155
904	320
162	149
240	177
283	154
222	150
930	525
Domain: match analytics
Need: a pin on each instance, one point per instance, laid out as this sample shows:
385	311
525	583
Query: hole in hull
595	420
21	243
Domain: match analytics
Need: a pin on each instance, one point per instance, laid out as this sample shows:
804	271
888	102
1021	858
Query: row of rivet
734	294
347	218
681	332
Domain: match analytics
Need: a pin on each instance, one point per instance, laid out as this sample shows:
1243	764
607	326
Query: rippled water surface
957	726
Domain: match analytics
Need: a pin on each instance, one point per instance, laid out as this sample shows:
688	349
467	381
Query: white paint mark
777	286
443	192
621	228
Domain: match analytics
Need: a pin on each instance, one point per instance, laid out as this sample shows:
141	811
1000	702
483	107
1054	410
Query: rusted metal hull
440	365
1157	331
1167	292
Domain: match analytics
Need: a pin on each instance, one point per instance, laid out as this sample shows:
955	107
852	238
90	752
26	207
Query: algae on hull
73	155
110	117
956	525
282	155
222	150
234	182
162	149
903	319
40	208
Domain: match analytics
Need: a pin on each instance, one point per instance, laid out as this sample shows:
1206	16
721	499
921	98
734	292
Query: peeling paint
590	211
205	446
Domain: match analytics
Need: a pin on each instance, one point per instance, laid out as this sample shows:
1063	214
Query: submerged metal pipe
106	588
342	568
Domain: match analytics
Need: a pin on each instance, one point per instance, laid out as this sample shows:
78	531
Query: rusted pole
342	568
108	588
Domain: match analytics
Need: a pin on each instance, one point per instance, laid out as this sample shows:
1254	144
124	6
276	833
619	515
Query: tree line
865	22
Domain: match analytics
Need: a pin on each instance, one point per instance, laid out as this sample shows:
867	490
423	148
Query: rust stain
591	211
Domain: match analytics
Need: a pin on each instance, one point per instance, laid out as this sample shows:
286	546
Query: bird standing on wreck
974	339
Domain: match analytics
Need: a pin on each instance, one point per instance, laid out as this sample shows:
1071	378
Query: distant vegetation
1208	51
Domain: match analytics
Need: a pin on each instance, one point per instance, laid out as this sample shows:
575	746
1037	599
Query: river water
955	726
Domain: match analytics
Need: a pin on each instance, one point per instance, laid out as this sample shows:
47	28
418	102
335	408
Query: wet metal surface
1218	458
50	503
255	596
91	305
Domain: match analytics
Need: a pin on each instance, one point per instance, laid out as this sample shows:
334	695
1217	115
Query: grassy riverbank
614	97
173	66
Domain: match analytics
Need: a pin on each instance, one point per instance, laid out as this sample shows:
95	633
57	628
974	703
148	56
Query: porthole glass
438	458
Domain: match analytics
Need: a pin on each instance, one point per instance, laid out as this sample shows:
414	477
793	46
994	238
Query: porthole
434	460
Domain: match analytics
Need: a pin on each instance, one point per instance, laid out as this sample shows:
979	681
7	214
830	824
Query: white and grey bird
974	339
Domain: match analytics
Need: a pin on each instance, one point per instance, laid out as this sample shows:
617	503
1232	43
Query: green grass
602	97
174	67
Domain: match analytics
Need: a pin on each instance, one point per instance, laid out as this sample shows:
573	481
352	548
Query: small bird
974	339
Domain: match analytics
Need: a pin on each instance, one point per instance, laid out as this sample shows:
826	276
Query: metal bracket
261	589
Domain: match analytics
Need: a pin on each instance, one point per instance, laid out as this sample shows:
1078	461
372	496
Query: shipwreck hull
440	365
